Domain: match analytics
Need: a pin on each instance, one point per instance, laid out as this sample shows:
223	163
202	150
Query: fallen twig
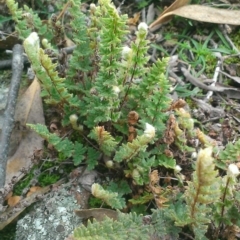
17	67
215	77
201	85
6	64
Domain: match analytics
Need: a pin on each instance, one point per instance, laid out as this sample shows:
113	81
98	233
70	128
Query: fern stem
65	7
222	208
224	196
130	84
195	202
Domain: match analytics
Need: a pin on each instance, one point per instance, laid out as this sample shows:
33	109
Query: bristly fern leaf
55	89
106	142
153	99
229	155
127	151
164	225
65	146
92	158
26	21
103	105
113	199
203	190
126	227
80	62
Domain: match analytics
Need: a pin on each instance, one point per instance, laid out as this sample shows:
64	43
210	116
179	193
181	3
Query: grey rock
51	219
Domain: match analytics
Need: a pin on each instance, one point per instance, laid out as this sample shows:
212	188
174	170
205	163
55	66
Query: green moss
235	37
18	188
210	64
47	179
95	202
8	233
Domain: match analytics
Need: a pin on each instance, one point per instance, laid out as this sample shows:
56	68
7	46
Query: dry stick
199	84
5	64
215	78
8	123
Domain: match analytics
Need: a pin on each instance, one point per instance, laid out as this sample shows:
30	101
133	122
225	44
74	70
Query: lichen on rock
52	218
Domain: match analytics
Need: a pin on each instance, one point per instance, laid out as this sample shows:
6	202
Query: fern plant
207	209
116	104
203	190
26	21
128	226
96	97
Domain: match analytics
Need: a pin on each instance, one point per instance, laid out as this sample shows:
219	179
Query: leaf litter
198	13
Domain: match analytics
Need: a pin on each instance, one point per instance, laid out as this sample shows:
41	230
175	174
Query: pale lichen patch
52	218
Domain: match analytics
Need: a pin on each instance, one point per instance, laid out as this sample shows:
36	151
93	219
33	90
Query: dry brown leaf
98	213
169	134
168	153
154	183
33	189
28	110
135	19
156	189
209	14
205	139
180	103
154	177
133	118
202	14
132	133
175	5
165	14
69	42
160	201
13	201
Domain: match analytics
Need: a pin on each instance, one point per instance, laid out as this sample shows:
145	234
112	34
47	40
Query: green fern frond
227	206
78	153
106	142
104	105
26	21
145	198
64	146
120	187
153	95
55	89
126	227
92	158
131	149
203	190
164	225
40	129
80	62
229	155
113	199
54	85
